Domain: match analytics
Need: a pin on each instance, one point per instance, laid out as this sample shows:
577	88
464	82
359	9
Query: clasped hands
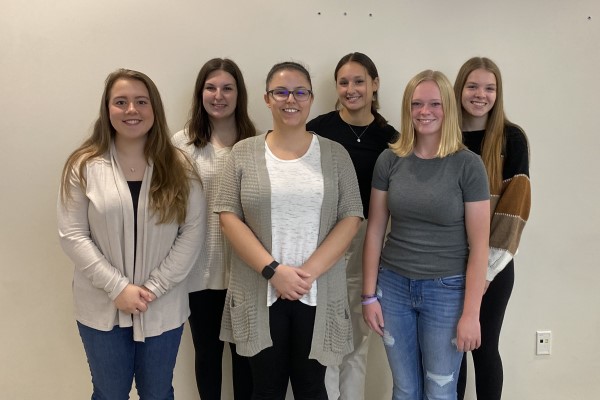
291	283
134	299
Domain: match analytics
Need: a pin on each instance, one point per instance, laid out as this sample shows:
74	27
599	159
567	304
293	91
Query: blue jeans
420	317
115	359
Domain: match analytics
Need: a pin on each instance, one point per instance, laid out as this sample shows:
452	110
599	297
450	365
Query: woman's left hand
290	282
134	299
468	333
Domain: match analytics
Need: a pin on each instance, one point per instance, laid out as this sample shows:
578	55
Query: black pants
206	308
291	326
486	359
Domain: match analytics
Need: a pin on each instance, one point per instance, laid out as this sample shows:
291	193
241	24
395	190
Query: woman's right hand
373	317
290	282
133	299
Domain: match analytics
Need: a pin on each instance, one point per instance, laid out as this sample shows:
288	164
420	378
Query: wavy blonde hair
451	140
170	185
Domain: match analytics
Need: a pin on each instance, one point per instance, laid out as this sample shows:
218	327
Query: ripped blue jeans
420	317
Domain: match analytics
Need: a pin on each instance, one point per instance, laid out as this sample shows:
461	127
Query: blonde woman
422	289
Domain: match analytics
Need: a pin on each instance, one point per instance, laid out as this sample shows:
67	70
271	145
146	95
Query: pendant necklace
362	133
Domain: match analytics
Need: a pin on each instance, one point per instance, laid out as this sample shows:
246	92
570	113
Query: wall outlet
543	344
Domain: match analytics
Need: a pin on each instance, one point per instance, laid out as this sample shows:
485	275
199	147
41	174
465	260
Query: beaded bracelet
368	301
368	296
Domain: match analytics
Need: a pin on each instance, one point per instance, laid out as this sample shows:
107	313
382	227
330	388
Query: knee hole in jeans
440	380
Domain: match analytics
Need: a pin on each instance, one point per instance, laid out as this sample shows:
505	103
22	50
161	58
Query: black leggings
206	308
291	325
486	359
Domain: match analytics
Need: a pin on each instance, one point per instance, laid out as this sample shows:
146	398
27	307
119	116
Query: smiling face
219	95
130	110
479	93
289	112
355	87
427	111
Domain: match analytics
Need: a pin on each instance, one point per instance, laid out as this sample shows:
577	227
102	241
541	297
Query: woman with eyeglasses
357	125
218	119
504	149
289	204
423	286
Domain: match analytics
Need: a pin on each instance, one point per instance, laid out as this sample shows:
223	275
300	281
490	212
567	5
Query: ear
266	97
376	84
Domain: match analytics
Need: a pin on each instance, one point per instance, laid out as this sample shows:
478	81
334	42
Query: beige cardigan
211	271
97	233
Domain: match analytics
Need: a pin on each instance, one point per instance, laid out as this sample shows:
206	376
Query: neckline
339	113
313	140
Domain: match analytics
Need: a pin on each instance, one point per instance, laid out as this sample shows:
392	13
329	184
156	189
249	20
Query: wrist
269	270
369	300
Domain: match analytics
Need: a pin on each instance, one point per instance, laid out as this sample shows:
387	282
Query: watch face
268	272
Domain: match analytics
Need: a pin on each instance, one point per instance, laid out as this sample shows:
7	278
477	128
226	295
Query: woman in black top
364	133
504	149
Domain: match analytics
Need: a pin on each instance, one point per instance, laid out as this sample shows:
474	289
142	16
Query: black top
134	189
363	153
515	154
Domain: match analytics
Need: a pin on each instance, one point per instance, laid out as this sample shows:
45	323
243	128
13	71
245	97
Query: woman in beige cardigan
130	216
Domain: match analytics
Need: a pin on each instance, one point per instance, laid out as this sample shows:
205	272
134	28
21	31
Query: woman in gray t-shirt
427	281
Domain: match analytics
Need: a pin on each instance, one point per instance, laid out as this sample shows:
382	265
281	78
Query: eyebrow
136	97
297	87
477	83
426	101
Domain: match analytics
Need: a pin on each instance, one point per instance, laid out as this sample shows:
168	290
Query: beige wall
54	56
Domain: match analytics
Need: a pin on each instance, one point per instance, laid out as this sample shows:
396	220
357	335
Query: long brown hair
199	127
494	139
451	138
369	65
170	185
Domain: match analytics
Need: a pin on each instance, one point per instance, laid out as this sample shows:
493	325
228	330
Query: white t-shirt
296	199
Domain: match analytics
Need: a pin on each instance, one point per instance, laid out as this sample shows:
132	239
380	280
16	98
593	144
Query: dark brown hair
199	126
288	65
369	65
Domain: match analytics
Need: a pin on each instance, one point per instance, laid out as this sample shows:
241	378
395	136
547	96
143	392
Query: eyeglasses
282	94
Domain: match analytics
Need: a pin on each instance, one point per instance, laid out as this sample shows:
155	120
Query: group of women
279	243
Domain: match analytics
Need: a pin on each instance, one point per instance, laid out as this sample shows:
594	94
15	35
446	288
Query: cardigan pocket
243	321
338	333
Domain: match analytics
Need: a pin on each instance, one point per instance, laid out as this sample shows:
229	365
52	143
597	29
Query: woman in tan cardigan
130	216
289	204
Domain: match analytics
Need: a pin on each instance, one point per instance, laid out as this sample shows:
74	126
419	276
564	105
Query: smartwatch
269	270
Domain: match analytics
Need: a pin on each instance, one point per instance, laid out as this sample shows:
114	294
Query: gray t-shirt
426	202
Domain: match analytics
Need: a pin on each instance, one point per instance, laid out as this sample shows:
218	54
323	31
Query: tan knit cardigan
245	190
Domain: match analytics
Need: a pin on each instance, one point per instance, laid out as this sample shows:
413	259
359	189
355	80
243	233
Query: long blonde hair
451	140
170	185
494	139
